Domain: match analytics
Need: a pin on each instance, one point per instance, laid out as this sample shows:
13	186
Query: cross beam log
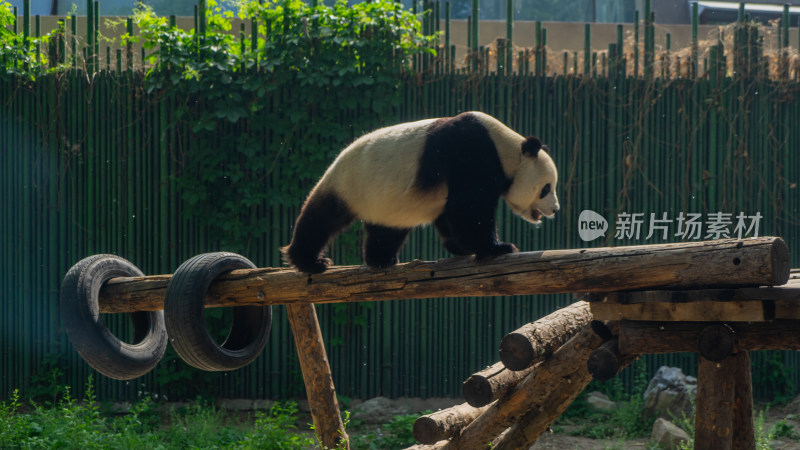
728	263
675	337
441	425
533	342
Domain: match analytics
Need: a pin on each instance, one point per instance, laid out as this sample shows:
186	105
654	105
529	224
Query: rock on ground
670	393
600	401
379	410
668	435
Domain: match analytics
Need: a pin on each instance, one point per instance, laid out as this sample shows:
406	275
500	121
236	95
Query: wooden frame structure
722	326
518	405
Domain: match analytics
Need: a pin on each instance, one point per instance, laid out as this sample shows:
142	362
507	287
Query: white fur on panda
375	175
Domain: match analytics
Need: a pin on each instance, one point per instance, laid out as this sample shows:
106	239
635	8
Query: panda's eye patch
545	191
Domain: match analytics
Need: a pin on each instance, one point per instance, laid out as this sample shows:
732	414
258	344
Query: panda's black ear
531	146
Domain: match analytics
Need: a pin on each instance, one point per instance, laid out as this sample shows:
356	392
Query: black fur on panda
447	171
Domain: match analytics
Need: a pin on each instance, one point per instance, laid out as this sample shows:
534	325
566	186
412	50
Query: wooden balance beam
725	263
722	263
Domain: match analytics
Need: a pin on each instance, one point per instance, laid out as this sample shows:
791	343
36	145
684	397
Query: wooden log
317	375
441	425
605	361
714	407
491	384
606	329
536	341
729	263
743	429
738	311
550	376
675	337
530	427
716	342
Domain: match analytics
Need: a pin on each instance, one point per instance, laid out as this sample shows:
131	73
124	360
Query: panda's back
399	176
376	176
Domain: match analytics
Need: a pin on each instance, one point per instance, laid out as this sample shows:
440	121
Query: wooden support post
727	262
317	375
533	342
743	432
713	425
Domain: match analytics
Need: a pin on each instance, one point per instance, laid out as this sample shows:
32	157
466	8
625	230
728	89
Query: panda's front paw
503	248
318	265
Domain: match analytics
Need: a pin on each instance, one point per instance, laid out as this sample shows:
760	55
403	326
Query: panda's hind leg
383	244
449	241
323	216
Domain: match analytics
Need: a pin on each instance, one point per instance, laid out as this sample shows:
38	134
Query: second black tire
184	315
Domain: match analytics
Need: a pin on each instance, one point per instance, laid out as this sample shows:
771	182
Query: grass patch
70	424
398	433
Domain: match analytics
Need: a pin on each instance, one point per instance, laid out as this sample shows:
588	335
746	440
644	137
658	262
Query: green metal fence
88	167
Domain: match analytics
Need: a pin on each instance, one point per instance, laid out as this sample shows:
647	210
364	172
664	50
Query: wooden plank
787	309
755	261
317	375
789	291
736	311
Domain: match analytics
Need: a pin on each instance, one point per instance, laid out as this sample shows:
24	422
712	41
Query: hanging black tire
80	313
184	307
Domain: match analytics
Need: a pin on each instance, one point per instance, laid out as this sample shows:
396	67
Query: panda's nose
556	208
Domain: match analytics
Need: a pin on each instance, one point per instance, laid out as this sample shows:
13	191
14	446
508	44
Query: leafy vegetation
17	57
396	434
773	374
783	429
324	61
624	422
72	424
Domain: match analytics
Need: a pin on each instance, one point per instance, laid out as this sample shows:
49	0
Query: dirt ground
789	413
553	441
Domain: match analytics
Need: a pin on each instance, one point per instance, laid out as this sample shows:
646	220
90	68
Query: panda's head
533	186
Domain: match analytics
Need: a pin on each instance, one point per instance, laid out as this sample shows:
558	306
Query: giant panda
447	171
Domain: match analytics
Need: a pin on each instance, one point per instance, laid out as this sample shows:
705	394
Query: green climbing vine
308	67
